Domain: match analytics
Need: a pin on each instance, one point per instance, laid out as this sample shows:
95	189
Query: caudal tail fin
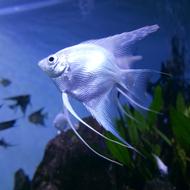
134	87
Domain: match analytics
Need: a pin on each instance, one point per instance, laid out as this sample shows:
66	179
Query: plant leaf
180	104
117	151
156	105
163	136
181	128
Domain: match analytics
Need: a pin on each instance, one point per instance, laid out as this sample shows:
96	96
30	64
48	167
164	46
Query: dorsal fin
119	44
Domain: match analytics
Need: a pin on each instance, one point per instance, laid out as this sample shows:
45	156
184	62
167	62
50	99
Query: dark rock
158	184
68	164
22	181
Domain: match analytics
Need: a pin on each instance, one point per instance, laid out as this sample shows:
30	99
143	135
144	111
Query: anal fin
102	109
69	107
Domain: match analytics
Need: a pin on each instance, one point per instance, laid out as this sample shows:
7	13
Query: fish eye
52	59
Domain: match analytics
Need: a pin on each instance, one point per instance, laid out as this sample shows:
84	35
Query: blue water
28	36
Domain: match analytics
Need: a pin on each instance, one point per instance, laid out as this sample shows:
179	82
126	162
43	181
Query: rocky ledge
69	165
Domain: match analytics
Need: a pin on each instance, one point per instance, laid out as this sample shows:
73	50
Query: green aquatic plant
140	131
166	134
150	136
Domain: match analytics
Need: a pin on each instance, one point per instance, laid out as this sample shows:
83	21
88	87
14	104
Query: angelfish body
93	72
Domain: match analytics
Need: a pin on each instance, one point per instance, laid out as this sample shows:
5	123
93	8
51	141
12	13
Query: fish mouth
46	68
41	64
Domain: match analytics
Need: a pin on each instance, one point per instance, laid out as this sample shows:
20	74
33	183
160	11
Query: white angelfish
92	73
60	122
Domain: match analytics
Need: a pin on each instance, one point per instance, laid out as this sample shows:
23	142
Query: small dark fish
21	101
7	124
38	117
4	143
1	106
5	82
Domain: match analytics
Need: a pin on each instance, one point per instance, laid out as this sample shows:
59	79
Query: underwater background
30	30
